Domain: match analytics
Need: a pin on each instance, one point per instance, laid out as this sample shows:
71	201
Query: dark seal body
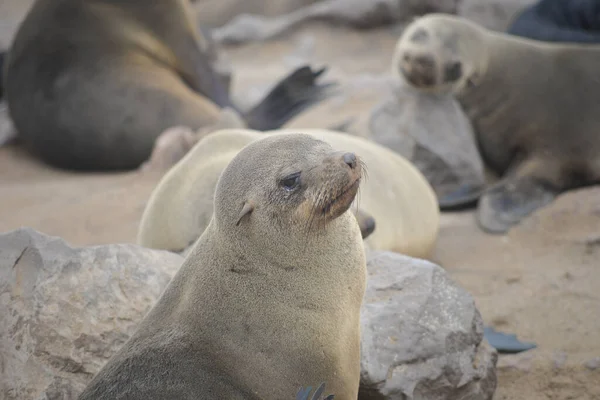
575	21
91	84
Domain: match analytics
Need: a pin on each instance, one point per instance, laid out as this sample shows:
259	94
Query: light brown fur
533	105
269	298
395	194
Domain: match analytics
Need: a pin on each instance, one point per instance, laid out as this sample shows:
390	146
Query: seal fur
533	106
576	21
395	194
269	298
90	84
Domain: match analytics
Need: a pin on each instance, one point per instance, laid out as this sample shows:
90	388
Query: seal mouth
341	203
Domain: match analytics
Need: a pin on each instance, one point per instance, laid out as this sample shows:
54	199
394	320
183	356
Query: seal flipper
530	187
366	223
288	98
464	197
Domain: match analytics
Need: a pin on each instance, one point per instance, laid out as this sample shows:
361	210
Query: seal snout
420	69
343	177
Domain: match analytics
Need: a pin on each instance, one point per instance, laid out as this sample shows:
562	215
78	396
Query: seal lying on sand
576	21
269	298
533	105
91	84
395	194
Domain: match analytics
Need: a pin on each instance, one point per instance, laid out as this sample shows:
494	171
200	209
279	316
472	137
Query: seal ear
247	209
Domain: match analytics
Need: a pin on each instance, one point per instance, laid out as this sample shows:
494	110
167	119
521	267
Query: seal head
296	188
438	53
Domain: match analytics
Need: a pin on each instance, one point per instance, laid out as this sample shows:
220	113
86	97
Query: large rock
64	311
422	336
433	132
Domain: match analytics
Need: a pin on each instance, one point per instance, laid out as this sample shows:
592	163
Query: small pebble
560	359
593	364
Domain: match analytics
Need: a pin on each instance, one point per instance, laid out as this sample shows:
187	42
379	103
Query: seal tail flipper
288	98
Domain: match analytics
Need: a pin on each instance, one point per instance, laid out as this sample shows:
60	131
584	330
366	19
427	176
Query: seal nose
419	69
350	160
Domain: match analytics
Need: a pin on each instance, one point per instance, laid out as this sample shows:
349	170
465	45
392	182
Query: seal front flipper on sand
532	185
288	98
464	197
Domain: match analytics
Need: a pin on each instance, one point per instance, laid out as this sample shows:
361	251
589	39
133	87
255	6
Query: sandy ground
540	281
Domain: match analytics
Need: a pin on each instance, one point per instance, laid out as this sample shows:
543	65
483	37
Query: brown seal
269	298
91	84
533	105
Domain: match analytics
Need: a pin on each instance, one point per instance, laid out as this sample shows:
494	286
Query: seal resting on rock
90	84
395	194
269	298
533	106
576	21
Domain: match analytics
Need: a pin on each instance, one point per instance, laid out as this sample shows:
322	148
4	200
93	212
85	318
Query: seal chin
342	202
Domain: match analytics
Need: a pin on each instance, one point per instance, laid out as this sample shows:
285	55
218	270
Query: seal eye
291	182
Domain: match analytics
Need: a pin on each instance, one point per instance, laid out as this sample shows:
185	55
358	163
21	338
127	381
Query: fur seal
269	298
395	194
533	106
91	84
575	21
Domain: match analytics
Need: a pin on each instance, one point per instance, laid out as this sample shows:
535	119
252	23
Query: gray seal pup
395	194
269	298
533	105
90	84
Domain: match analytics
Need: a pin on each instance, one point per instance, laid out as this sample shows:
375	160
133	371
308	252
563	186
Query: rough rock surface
422	336
64	311
433	132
